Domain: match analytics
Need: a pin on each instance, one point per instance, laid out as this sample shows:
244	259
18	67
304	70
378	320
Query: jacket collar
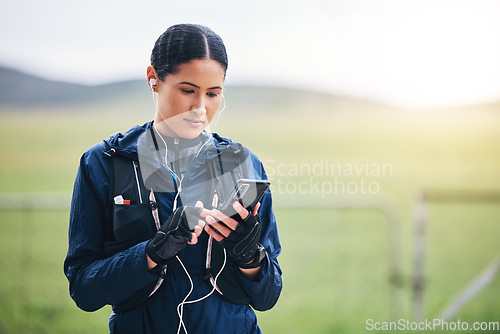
125	144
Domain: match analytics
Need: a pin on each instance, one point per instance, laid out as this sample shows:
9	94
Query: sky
414	54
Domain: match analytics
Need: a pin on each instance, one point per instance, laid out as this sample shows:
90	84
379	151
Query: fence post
418	279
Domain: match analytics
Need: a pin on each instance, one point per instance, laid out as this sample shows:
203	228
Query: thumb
257	207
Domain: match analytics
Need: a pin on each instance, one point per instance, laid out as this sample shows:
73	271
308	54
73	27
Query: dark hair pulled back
184	42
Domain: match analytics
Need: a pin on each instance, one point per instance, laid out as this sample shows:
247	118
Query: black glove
173	235
243	243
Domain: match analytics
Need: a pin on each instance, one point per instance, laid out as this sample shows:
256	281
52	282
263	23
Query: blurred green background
348	255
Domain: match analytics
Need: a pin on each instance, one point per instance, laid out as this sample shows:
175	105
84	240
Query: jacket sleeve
265	291
93	280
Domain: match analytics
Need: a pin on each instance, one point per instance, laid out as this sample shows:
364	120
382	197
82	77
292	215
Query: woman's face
188	100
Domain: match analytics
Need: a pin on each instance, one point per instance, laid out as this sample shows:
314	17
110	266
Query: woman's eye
212	94
187	91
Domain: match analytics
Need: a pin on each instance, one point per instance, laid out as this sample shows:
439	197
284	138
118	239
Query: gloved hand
242	244
239	236
174	234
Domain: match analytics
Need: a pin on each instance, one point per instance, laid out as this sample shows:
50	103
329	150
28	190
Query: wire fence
34	292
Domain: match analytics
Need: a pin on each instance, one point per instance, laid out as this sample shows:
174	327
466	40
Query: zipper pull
136	172
110	152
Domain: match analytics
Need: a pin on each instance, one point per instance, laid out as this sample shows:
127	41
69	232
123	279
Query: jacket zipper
176	158
136	168
177	166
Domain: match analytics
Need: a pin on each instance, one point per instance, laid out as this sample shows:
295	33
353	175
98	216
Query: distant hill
23	90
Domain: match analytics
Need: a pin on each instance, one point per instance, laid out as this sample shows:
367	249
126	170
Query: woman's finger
213	233
256	209
204	212
228	221
198	229
241	210
222	229
194	238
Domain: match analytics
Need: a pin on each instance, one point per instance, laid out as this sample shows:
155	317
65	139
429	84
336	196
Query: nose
199	107
199	111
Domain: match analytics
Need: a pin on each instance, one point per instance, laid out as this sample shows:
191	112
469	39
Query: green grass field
335	261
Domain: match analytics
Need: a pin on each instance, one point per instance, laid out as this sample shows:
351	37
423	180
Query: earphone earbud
152	82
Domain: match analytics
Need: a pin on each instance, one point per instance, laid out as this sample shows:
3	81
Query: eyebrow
192	84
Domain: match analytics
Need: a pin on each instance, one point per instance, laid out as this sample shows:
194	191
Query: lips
194	122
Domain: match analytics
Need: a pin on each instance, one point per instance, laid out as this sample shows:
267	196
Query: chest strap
156	217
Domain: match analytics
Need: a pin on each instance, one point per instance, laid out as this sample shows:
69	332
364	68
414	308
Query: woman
145	234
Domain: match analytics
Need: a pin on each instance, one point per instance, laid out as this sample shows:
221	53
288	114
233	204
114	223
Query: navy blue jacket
96	281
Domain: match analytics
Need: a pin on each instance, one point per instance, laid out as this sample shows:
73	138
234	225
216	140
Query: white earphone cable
180	307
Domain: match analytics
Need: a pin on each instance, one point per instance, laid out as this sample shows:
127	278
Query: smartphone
246	191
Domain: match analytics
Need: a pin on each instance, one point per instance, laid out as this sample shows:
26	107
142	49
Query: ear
151	74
